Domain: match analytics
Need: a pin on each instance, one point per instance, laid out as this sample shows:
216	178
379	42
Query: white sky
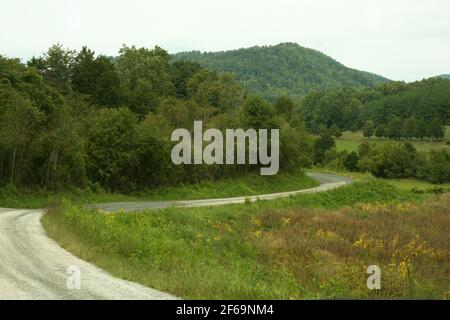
400	39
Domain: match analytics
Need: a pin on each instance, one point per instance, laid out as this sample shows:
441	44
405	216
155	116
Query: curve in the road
33	266
327	182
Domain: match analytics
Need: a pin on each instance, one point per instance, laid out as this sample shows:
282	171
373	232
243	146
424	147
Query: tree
181	72
409	128
220	91
56	67
19	120
350	114
59	157
321	144
145	77
335	131
436	130
368	129
380	131
394	128
421	129
364	149
295	147
351	161
154	167
111	148
258	114
284	106
96	77
391	160
177	112
437	167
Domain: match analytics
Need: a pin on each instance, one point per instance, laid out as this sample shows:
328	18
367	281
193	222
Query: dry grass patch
328	252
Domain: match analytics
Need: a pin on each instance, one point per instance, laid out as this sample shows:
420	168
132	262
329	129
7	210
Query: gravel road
327	182
33	266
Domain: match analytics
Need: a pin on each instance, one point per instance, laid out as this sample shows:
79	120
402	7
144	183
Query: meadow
350	141
306	246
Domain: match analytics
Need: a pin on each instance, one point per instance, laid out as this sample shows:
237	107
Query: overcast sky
400	39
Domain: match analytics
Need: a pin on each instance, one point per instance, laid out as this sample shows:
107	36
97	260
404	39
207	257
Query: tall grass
307	246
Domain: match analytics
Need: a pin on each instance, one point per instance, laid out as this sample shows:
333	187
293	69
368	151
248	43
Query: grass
246	185
417	185
351	140
306	246
410	184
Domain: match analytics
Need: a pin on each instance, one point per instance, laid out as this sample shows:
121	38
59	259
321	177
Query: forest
74	119
395	109
284	69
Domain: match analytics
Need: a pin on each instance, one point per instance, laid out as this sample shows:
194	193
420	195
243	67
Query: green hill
283	69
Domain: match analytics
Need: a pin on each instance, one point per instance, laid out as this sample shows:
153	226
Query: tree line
410	128
394	110
77	119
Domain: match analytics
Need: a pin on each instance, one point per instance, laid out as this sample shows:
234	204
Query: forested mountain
283	69
444	76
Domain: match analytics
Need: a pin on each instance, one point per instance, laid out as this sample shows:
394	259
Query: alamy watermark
236	141
374	280
73	277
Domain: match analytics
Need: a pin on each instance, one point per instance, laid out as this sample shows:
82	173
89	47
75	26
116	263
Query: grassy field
247	185
413	184
402	184
351	140
307	246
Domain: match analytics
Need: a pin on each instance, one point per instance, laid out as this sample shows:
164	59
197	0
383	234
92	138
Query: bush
395	160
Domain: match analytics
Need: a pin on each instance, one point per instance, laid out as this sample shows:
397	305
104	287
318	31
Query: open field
402	184
414	184
308	246
351	140
246	185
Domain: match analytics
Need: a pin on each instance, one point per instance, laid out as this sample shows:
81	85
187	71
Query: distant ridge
283	69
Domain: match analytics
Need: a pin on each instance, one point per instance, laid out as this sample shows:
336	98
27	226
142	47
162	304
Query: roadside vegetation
87	128
389	160
307	246
247	185
419	186
74	119
413	185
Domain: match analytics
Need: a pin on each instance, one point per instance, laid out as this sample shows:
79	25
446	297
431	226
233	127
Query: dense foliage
73	118
284	69
77	119
392	160
395	109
